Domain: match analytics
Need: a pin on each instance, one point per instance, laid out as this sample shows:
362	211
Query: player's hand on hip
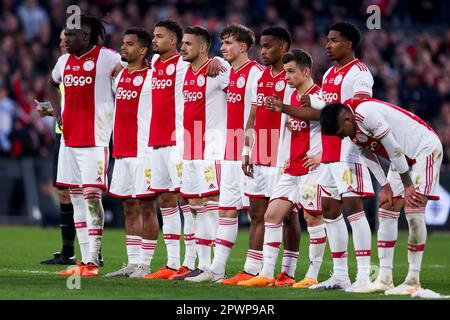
213	68
313	161
386	197
247	167
306	101
412	198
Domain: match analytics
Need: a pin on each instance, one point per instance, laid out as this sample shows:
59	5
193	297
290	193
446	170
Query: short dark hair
240	32
329	118
200	32
301	57
172	26
143	36
348	30
279	33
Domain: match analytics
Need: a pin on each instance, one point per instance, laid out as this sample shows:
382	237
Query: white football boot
410	286
383	282
124	272
361	285
207	276
140	271
333	283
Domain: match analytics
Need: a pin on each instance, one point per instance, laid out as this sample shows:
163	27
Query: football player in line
131	177
87	119
298	183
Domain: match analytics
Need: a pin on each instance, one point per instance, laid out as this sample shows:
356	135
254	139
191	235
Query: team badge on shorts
279	85
240	82
170	69
138	80
88	65
201	81
338	79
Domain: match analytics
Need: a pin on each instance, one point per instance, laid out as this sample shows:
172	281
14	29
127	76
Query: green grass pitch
21	276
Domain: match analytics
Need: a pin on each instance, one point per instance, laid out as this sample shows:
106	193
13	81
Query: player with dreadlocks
87	117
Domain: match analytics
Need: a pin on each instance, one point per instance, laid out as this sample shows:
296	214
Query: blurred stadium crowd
409	56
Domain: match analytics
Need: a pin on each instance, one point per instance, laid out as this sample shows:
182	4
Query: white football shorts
232	186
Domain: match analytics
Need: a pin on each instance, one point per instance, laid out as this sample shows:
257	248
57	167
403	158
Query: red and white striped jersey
301	138
132	112
338	85
376	118
166	126
87	113
269	126
205	113
242	85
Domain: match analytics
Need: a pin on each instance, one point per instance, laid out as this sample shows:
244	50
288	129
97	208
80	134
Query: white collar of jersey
131	72
168	59
271	73
84	53
199	69
336	68
243	66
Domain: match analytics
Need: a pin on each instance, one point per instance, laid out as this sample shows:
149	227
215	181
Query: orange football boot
91	270
163	273
181	272
284	280
241	276
305	283
258	281
74	270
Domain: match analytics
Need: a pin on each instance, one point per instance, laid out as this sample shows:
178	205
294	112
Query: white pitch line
29	271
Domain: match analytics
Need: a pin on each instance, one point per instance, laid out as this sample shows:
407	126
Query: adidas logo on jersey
350	188
99	179
212	186
68	67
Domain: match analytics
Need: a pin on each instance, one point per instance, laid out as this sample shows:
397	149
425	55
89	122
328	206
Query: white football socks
273	235
362	242
225	239
317	244
133	244
171	231
79	218
338	239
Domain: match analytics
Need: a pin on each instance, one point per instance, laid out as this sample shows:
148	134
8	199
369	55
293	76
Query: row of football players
187	124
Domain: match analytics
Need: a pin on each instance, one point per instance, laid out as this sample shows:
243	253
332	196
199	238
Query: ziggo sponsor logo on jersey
330	96
192	96
161	83
296	125
126	94
70	80
233	97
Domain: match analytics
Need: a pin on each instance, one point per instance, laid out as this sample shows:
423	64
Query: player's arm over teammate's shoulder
305	113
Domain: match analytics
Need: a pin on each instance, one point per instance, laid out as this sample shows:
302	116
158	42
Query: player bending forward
385	129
